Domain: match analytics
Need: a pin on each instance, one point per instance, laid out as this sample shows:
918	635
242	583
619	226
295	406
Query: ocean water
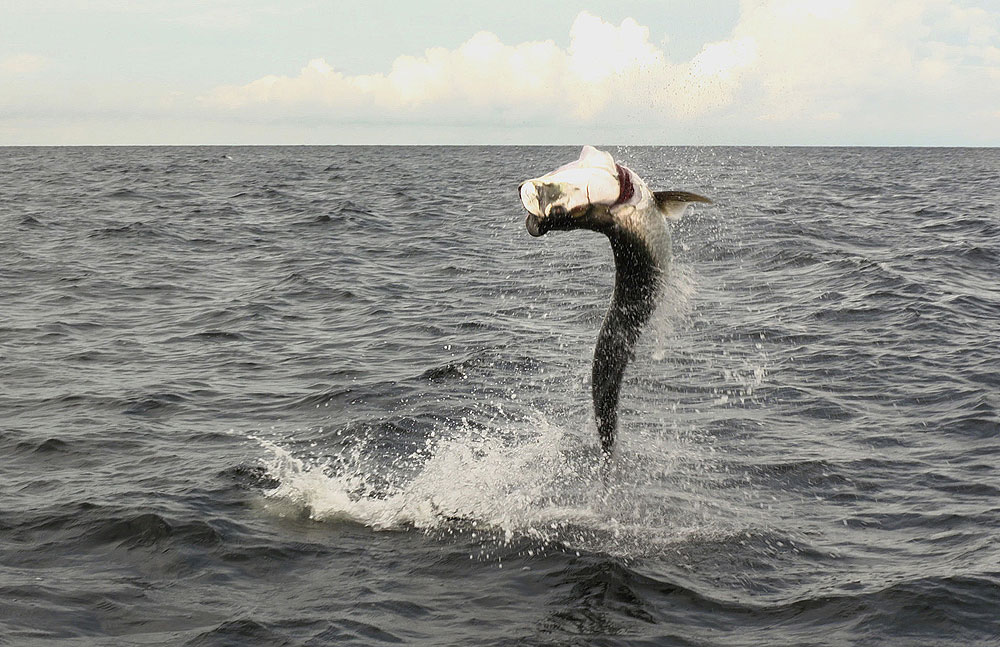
339	396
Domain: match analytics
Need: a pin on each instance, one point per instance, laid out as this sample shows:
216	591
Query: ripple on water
808	447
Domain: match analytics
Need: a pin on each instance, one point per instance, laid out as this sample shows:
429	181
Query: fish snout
535	225
535	221
544	203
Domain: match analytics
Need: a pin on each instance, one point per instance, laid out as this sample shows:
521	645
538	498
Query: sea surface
339	396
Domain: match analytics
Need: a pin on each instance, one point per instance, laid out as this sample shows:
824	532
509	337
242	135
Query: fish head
577	195
553	205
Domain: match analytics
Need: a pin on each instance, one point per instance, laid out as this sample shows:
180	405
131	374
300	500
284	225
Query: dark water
326	396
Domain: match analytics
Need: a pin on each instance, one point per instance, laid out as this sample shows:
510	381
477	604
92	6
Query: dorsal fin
674	203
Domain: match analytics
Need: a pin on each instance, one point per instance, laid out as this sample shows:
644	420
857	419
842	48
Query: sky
663	72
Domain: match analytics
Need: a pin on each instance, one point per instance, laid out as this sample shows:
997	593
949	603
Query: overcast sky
841	72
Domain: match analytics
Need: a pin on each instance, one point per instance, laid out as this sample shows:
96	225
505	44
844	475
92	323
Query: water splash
538	482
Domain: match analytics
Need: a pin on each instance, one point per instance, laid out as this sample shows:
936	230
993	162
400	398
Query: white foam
536	480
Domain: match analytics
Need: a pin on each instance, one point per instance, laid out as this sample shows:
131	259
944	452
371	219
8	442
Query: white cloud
796	62
605	68
21	64
789	71
854	56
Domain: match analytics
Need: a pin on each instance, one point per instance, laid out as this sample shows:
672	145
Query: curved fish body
598	194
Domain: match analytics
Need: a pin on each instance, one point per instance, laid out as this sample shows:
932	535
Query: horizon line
599	145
